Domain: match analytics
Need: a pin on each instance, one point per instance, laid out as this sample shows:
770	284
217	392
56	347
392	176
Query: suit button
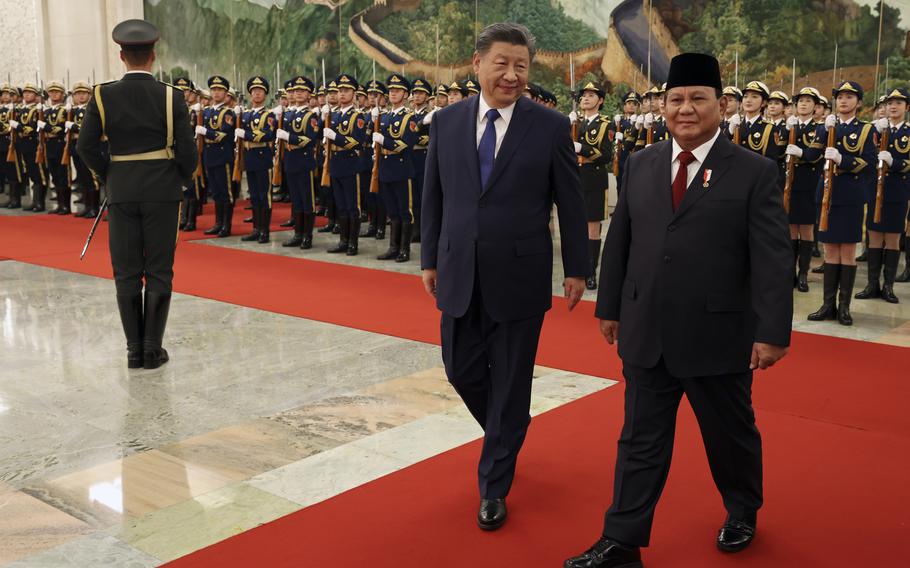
666	260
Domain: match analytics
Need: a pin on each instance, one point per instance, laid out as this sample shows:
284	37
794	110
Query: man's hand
574	288
765	355
429	281
610	330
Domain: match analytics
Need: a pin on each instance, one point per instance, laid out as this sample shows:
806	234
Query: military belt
163	154
251	145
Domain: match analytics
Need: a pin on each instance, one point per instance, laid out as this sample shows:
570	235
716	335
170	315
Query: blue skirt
802	208
845	225
894	218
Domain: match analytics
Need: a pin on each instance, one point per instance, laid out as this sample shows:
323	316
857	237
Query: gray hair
507	32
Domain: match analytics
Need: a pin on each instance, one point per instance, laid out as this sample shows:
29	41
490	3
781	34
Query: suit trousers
143	238
723	408
490	364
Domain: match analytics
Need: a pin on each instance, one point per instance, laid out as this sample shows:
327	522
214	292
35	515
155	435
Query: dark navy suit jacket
501	229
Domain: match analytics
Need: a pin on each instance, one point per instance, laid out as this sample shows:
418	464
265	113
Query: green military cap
218	81
758	87
135	35
56	86
257	81
6	88
30	87
779	96
849	87
421	84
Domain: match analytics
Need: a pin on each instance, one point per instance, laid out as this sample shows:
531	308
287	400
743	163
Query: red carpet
834	417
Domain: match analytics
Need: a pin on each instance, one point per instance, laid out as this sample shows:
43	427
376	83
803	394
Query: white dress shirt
700	154
139	72
501	124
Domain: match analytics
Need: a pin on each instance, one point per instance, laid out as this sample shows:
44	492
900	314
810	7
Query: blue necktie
486	151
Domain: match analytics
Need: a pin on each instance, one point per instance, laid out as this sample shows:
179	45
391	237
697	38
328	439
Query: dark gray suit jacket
502	228
700	285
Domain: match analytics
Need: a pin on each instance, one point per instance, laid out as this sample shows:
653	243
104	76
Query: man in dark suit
495	166
152	156
696	287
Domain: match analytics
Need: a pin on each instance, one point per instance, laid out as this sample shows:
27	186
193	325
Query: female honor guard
346	135
302	134
853	157
804	182
218	122
756	133
256	131
397	136
595	154
894	165
734	98
624	138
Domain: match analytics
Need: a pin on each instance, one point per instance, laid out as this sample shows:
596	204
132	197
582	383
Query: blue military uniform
762	136
91	187
196	193
419	152
345	165
375	205
219	122
625	146
396	173
735	93
303	132
258	126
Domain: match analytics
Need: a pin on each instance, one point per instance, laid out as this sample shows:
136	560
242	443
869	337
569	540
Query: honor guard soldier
91	187
397	136
420	94
805	180
376	90
894	167
853	158
756	133
27	141
13	170
625	136
455	93
328	194
196	191
734	98
470	87
778	102
881	110
367	199
442	96
54	128
302	130
217	132
256	132
346	134
595	156
152	156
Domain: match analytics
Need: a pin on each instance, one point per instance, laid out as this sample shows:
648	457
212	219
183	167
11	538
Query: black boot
39	193
404	246
344	224
219	220
890	271
64	203
297	239
394	242
156	309
191	205
794	244
265	222
829	307
381	220
328	227
353	237
292	220
905	275
847	278
254	235
873	288
309	219
183	213
227	218
820	269
864	256
15	199
593	257
131	317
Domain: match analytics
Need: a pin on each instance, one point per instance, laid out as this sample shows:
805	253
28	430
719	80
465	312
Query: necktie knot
492	115
685	158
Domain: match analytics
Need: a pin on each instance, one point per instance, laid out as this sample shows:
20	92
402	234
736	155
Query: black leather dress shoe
607	554
735	535
492	514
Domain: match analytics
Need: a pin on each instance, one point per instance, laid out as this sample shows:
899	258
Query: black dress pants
143	238
490	364
723	408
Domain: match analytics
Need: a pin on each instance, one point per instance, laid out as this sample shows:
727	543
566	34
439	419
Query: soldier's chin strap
166	153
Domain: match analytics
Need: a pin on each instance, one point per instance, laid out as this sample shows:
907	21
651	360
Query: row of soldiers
867	190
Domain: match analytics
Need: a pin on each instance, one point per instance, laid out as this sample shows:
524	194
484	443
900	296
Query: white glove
378	138
648	120
68	125
239	133
886	156
326	109
41	125
196	107
328	134
429	117
238	110
374	113
14	123
833	155
830	121
283	134
573	116
278	110
734	123
577	147
882	124
794	150
639	121
617	119
792	122
201	130
618	137
69	105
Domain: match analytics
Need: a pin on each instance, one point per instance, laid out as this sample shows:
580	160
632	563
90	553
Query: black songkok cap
694	70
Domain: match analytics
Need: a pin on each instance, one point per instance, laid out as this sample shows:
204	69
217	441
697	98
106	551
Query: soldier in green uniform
152	156
13	171
25	123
